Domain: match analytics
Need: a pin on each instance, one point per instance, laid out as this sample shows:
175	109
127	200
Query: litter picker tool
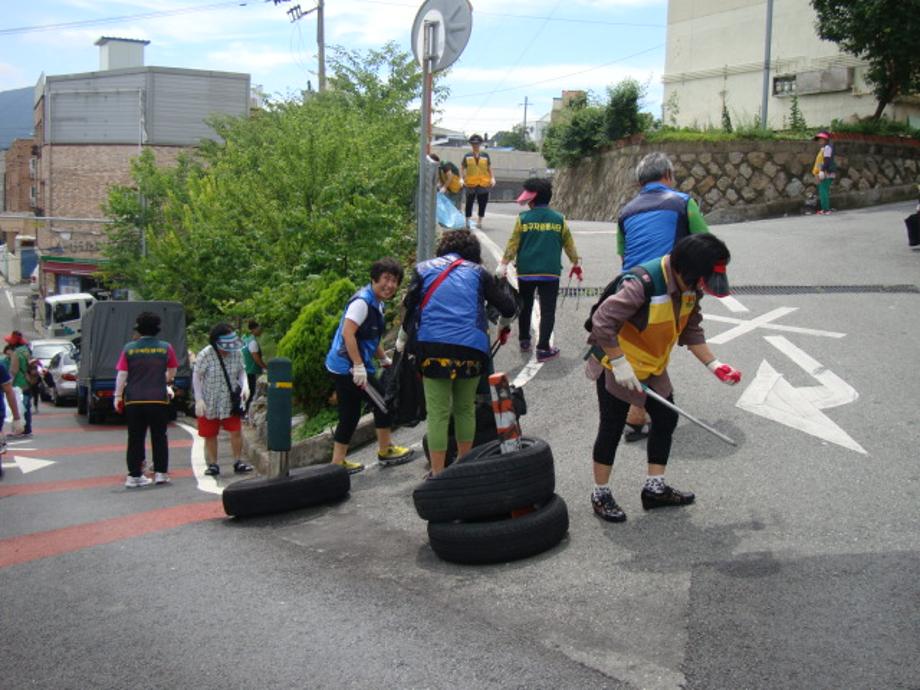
667	403
375	398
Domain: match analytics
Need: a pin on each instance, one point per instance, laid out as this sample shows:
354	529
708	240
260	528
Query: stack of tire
490	507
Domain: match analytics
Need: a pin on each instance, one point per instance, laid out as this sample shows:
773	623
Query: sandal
241	467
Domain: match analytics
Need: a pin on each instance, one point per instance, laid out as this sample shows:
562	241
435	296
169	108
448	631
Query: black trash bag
403	392
913	229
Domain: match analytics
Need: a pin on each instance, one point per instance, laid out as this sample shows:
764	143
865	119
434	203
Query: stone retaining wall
742	180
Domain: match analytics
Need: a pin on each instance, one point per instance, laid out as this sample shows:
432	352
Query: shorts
209	428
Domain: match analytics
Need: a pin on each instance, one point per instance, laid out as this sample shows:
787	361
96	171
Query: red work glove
120	405
577	272
724	372
504	334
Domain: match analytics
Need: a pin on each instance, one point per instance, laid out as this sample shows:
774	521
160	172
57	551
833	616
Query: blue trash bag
449	215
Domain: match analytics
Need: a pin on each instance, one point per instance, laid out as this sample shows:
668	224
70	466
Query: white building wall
717	46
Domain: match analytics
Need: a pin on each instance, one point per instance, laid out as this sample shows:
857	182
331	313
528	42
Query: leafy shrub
880	127
581	135
622	111
308	340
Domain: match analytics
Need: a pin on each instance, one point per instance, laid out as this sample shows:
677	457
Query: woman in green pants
446	303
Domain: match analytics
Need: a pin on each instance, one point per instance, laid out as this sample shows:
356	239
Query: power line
114	20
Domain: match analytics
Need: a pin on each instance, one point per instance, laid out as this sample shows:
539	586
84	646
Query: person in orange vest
477	177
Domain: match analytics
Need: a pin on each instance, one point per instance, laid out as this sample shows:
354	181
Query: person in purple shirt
146	368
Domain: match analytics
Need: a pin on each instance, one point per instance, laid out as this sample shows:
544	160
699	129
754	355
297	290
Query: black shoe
636	432
606	508
667	498
213	470
241	467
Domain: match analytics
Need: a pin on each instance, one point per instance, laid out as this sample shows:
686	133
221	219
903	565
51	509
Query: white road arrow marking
29	464
771	396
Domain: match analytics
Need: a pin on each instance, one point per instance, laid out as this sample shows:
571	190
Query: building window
784	86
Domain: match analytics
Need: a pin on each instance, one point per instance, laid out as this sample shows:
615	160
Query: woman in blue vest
447	300
350	361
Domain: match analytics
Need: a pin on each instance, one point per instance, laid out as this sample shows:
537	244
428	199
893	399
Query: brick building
20	185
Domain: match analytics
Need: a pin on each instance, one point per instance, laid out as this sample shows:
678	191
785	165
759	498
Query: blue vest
455	314
652	223
368	335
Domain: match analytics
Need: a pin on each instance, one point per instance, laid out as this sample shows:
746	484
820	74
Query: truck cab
63	314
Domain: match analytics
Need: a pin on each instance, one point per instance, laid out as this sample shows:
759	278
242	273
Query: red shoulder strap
437	281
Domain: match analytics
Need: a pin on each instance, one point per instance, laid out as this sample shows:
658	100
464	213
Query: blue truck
106	327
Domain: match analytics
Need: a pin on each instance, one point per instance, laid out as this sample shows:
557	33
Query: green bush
622	111
308	340
880	127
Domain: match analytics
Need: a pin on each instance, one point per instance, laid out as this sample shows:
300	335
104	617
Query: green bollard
280	394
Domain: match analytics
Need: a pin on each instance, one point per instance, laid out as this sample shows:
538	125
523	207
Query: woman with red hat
824	170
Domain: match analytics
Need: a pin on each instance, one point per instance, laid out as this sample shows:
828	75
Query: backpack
613	287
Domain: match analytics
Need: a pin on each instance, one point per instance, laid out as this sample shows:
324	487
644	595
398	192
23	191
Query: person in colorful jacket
144	372
632	334
252	358
649	226
824	170
447	300
350	362
540	236
19	367
477	178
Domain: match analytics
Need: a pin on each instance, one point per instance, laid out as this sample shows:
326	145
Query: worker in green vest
252	359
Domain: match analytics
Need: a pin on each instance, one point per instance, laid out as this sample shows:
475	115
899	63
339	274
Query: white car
62	373
44	350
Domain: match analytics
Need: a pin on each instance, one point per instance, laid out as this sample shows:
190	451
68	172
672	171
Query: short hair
147	323
253	324
217	331
654	166
542	187
461	242
387	265
694	257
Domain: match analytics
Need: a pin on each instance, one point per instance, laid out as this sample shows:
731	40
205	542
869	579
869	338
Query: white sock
601	489
655	484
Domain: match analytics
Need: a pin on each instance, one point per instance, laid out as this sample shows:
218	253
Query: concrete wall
735	181
715	50
510	167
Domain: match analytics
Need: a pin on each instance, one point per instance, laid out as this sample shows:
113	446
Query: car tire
500	541
81	401
55	400
302	488
92	415
485	483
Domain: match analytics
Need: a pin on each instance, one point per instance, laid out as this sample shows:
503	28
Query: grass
316	424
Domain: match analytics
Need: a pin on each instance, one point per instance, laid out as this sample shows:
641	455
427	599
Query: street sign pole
426	167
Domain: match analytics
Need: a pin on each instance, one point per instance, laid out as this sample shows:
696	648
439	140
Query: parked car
44	350
62	373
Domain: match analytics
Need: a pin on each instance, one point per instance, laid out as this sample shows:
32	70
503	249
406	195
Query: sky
516	51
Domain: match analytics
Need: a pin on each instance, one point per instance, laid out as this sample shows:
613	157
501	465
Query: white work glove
17	426
624	375
822	175
724	372
359	375
385	361
401	339
502	270
200	409
170	392
244	394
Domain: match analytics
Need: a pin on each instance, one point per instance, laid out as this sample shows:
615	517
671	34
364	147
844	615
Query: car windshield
48	350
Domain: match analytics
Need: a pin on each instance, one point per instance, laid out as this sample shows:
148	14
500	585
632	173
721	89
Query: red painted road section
52	430
31	547
75	484
45	453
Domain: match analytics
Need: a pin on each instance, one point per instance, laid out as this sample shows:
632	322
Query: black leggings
139	418
480	194
613	413
350	401
548	291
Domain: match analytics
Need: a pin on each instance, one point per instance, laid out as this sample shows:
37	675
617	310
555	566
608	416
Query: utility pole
296	13
766	65
525	118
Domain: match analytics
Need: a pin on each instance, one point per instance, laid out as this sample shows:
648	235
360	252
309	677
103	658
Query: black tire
502	540
305	487
81	401
55	400
92	415
484	483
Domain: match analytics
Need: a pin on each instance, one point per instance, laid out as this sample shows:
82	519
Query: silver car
62	372
44	350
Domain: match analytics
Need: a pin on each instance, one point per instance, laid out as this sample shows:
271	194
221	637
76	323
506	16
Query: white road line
732	304
593	232
533	366
206	483
9	298
766	326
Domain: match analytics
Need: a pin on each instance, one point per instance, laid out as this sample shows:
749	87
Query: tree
883	32
514	139
796	119
622	111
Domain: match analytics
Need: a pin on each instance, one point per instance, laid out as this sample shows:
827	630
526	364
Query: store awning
70	268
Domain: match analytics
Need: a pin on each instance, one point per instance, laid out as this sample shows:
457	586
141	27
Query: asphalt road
796	568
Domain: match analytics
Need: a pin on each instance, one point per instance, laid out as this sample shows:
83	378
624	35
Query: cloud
238	57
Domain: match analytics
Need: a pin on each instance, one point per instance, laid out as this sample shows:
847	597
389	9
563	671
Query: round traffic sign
454	23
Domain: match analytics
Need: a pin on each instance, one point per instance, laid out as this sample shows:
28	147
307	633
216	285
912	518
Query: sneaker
636	432
241	467
606	508
137	482
525	345
352	467
667	498
395	455
162	478
213	470
546	355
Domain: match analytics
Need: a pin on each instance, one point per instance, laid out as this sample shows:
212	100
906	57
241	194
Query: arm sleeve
121	379
621	239
197	385
693	333
357	312
498	294
568	243
614	311
122	364
695	218
171	361
827	157
514	242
